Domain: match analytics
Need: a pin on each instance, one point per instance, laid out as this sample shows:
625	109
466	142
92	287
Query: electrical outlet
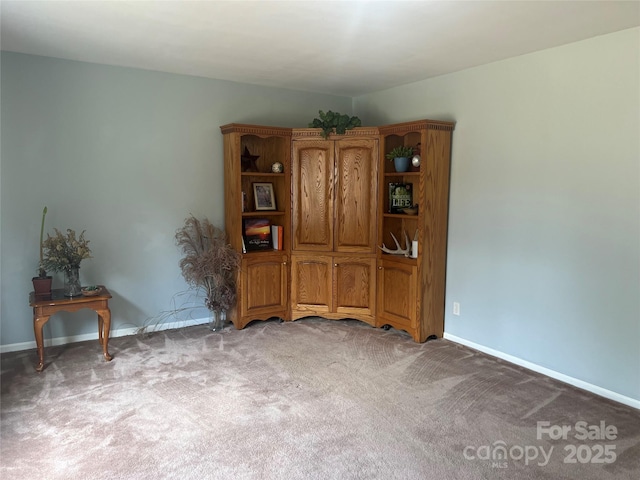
456	308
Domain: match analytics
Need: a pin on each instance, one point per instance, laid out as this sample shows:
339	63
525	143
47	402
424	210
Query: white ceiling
338	47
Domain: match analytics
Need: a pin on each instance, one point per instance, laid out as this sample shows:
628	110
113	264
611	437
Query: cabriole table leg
38	323
104	326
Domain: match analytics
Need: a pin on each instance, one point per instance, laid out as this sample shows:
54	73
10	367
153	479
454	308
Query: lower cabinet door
333	286
264	288
355	287
397	295
311	285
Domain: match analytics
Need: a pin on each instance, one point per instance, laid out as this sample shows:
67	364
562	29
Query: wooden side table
44	307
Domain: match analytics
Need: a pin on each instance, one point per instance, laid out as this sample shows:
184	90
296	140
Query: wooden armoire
334	194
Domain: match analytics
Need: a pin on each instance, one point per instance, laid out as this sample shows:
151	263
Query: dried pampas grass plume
209	262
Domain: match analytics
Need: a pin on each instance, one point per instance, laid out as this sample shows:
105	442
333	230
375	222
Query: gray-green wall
544	223
126	155
544	232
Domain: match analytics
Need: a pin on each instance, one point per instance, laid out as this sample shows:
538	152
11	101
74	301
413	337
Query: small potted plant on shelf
210	265
42	283
400	156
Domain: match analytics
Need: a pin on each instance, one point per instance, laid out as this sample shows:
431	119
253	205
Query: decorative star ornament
249	161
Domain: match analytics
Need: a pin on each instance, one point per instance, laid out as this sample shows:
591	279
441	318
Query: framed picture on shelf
263	196
400	197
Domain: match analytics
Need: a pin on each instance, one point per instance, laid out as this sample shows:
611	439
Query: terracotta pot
41	286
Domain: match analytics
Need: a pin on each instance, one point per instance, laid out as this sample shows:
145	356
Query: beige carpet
312	399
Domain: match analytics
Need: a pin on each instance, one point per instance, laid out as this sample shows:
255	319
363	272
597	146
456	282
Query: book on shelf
256	234
276	236
400	196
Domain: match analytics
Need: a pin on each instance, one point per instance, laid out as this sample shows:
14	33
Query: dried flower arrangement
209	262
64	252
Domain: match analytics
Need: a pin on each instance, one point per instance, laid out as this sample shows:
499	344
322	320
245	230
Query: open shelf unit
249	153
410	291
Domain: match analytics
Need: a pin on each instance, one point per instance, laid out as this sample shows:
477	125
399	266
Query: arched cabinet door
313	192
264	290
397	299
356	168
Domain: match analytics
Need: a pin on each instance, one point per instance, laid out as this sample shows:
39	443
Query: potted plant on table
209	264
400	156
63	253
42	283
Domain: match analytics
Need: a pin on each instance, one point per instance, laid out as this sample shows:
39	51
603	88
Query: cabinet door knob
335	264
379	268
284	263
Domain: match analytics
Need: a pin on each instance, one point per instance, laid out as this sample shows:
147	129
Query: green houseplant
400	156
330	120
210	265
42	283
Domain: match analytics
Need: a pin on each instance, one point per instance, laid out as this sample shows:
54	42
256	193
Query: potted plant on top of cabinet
333	121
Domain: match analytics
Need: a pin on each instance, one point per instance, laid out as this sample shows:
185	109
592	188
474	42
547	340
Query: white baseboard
603	392
120	332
